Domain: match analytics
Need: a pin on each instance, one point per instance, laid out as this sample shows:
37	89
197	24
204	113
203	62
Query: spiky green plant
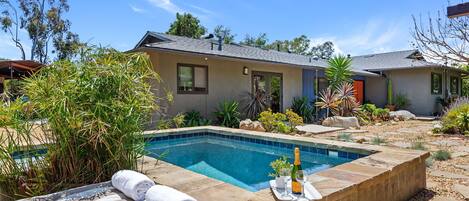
227	114
339	71
302	107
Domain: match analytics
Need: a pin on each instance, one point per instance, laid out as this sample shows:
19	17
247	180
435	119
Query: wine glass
302	179
285	174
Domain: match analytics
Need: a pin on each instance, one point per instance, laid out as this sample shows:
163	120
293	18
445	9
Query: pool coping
365	178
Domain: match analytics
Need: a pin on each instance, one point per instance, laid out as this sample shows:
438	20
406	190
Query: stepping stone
448	175
459	154
464	167
463	190
445	143
442	198
462	148
402	144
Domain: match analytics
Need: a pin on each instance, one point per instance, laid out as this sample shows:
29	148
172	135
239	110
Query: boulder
251	125
402	114
342	122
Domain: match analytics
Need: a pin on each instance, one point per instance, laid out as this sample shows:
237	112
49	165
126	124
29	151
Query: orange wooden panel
359	92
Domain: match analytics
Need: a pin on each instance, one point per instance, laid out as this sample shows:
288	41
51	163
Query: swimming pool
241	161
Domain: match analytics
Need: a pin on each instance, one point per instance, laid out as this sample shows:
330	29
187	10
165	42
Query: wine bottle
296	173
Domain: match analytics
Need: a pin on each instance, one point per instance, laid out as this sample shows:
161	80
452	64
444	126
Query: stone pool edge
386	174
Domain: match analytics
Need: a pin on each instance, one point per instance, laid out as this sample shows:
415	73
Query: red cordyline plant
329	100
348	102
340	102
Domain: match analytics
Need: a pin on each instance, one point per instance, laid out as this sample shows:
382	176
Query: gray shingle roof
360	64
391	60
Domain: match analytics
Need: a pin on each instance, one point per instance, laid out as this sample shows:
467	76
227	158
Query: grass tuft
441	155
378	140
347	137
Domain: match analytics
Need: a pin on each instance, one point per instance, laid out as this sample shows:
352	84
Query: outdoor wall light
245	70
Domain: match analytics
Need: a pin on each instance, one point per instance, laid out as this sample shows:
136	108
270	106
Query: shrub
175	122
401	101
271	120
347	102
441	155
283	128
381	114
293	119
378	140
456	119
329	100
193	118
227	114
178	120
347	137
302	107
96	109
418	145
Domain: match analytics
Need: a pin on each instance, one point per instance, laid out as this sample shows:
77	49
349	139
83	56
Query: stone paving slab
317	129
448	175
463	190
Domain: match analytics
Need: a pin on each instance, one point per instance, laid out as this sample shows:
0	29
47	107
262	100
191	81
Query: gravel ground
407	134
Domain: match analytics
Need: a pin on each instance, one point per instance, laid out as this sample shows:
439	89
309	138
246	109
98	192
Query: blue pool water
241	161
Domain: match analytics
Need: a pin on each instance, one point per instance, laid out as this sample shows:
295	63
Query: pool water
243	162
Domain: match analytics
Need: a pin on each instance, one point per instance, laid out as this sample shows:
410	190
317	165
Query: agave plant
302	107
348	102
329	100
227	114
338	71
255	103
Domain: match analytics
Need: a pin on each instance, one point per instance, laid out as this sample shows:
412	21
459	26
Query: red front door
359	92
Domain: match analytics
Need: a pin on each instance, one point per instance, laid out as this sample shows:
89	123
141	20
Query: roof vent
209	36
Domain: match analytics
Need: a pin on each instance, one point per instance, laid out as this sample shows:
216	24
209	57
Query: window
321	85
192	79
436	83
454	85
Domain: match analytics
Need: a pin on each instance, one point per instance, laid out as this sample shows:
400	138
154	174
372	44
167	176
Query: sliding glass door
271	84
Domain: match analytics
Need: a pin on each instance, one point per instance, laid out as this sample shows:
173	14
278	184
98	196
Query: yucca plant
227	114
338	71
302	107
255	103
329	100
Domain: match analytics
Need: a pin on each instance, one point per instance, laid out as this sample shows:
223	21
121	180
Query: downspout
316	92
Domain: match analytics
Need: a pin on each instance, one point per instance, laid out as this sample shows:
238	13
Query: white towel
133	184
165	193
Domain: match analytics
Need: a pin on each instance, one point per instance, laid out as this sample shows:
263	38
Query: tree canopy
186	25
225	33
256	41
45	25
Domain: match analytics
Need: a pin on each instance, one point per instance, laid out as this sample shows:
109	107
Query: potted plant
277	166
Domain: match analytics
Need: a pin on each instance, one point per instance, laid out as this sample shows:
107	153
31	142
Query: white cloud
8	49
203	10
137	9
373	37
166	5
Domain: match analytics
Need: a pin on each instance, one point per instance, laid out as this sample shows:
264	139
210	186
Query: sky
355	27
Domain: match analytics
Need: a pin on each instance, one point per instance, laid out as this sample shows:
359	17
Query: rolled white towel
133	184
165	193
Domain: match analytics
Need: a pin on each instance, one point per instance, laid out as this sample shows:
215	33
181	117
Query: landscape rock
402	114
448	175
463	190
448	143
342	122
251	125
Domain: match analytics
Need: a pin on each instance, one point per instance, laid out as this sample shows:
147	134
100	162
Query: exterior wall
416	85
225	81
375	91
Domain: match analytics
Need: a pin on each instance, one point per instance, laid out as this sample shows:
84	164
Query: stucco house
201	73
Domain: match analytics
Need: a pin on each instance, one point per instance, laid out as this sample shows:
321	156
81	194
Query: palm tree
338	71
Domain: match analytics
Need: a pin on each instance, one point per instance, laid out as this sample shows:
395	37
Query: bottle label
296	187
